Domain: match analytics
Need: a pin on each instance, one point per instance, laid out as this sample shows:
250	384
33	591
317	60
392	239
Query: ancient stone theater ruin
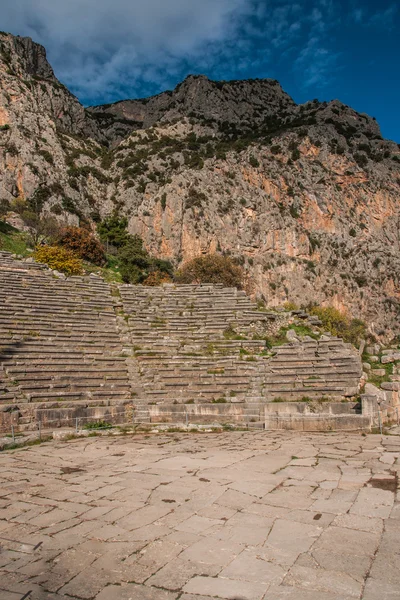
79	348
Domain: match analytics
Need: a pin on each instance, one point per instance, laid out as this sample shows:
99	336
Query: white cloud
98	44
105	50
358	15
316	64
384	18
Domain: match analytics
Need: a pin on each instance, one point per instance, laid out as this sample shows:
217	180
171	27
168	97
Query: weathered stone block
374	359
392	386
379	372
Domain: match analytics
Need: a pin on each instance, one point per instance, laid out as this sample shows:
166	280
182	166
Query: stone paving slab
232	516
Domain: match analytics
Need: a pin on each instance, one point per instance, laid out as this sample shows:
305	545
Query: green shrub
97	425
69	205
339	324
47	156
361	159
296	154
289	306
12	149
134	260
60	259
275	149
253	161
195	198
211	268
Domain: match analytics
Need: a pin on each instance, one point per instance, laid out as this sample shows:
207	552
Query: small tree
40	229
211	268
83	244
135	260
113	230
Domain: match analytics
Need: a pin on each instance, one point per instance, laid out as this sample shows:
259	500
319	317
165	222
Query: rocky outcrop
304	196
239	103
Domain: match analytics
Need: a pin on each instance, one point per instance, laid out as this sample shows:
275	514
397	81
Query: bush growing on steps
157	278
211	268
83	244
136	264
339	324
60	259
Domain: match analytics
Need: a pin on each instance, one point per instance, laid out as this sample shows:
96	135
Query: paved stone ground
244	516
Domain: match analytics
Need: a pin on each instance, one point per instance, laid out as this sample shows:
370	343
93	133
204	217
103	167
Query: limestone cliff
305	196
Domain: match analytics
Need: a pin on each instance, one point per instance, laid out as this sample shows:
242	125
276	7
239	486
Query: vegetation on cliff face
304	197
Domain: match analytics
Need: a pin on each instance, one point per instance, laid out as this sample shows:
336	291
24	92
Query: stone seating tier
59	343
80	348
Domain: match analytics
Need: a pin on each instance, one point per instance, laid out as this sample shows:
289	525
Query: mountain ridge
305	196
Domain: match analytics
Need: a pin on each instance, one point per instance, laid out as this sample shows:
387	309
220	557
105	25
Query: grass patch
303	330
378	379
231	334
11	240
36	442
110	273
97	425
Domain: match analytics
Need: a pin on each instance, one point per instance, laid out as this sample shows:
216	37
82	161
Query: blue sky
105	51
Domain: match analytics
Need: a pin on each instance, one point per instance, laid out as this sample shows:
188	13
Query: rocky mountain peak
305	197
25	56
244	103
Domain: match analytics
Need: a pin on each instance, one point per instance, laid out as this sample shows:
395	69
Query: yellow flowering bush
60	259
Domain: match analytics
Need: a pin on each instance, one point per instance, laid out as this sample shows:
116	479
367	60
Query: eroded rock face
241	103
305	196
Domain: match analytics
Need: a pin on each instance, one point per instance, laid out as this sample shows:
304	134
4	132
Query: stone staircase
60	348
178	333
185	358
